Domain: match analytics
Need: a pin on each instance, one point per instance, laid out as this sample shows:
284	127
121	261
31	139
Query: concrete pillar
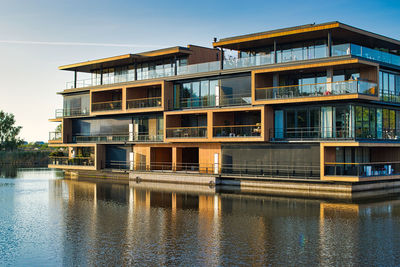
275	54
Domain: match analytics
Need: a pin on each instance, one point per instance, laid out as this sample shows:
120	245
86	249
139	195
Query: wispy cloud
73	44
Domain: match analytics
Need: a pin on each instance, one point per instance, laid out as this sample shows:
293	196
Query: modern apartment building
318	101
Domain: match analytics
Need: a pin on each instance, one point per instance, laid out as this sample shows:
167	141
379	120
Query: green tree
58	128
8	132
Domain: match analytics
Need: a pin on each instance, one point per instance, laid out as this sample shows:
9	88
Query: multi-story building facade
313	101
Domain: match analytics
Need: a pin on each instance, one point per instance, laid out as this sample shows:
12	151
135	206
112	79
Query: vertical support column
123	98
222	59
174	158
329	46
135	69
75	77
175	65
275	54
101	76
210	124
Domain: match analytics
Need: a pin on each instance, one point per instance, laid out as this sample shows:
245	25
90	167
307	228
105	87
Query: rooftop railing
317	89
186	132
234	63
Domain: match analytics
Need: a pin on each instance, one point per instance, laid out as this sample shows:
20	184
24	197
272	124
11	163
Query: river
46	220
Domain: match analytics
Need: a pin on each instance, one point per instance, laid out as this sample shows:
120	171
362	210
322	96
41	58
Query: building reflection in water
149	224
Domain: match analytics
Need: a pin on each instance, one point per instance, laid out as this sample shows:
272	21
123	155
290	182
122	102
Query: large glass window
224	92
389	86
75	105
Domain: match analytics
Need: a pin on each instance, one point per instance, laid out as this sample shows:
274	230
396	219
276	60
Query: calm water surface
48	221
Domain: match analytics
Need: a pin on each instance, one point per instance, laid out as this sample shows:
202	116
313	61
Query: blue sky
38	36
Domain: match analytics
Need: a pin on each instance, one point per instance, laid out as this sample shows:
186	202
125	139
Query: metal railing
108	138
233	63
55	136
67	161
362	169
317	89
150	102
321	133
261	170
186	132
302	133
106	106
71	112
226	100
237	131
197	68
373	54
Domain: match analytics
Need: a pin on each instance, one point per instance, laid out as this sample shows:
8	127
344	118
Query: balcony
55	137
362	170
310	133
117	138
151	102
107	106
223	101
77	112
329	133
198	68
186	132
235	63
237	131
318	89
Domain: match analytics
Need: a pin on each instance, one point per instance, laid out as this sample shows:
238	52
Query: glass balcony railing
143	103
66	161
186	132
373	54
76	112
234	63
237	131
307	133
337	133
107	106
318	89
55	136
213	101
362	169
197	68
125	137
259	60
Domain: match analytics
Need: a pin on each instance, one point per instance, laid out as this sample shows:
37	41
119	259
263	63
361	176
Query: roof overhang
126	59
338	30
